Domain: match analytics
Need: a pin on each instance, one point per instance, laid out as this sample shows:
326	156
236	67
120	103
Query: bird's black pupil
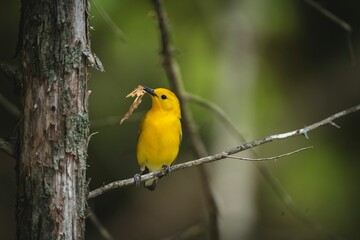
163	96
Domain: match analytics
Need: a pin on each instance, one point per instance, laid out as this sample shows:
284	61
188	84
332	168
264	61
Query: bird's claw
137	179
167	169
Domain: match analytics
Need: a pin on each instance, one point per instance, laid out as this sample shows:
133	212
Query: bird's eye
163	97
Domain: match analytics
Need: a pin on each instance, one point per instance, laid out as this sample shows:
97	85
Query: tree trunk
51	195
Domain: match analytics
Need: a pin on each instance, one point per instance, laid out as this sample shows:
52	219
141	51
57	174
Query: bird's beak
150	91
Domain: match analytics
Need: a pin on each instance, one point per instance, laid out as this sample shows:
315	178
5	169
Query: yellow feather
160	133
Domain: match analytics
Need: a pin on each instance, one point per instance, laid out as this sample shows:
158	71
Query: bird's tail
151	184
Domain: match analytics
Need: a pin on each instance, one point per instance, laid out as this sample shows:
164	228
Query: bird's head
164	99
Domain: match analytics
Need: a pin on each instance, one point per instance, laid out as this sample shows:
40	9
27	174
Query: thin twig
130	181
109	21
269	158
174	77
218	111
98	225
12	108
189	233
10	72
7	148
351	49
340	22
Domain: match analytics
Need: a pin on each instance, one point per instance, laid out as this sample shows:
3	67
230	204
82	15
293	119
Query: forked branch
225	154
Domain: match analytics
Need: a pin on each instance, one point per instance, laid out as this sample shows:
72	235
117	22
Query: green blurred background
272	66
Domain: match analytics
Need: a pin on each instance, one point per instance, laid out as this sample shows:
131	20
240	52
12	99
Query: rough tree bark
53	45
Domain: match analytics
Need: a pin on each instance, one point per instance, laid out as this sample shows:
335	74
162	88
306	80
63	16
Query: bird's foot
137	179
167	169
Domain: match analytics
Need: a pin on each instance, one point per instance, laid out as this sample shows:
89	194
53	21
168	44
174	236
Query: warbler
160	134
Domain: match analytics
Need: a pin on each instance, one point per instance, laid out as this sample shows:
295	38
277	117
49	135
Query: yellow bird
159	135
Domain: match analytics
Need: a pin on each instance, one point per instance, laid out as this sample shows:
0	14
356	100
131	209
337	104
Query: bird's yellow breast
159	139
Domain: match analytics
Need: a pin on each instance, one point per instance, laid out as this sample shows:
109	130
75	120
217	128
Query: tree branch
109	21
98	225
338	21
10	72
12	108
269	158
218	111
174	77
192	232
14	75
7	148
225	154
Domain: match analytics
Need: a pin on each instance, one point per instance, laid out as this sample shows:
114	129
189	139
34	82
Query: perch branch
225	154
